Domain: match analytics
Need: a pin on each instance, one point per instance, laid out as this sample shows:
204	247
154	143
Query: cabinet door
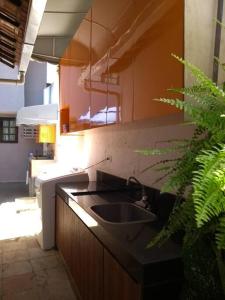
68	218
100	39
75	79
81	251
159	33
64	226
91	265
59	223
111	65
117	283
87	261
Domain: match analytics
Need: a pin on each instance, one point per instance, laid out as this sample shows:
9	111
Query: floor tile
26	295
1	268
32	243
26	271
44	263
16	268
40	279
13	245
44	294
14	256
55	274
61	290
1	290
18	283
38	252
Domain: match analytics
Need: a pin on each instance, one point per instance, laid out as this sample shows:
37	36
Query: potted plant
199	174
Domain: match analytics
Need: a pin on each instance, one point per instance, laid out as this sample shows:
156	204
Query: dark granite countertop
126	242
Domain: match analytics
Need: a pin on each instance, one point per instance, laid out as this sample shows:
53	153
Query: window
8	130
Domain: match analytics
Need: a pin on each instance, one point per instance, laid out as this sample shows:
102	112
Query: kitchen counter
126	242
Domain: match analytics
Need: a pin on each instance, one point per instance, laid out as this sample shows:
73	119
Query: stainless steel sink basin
122	213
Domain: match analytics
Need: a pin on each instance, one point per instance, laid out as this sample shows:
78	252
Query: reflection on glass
112	69
109	113
75	78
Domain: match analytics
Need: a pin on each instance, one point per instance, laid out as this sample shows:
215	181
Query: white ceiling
60	21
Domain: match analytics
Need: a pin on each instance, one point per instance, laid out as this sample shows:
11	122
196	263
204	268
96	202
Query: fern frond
220	235
206	118
209	183
201	78
203	97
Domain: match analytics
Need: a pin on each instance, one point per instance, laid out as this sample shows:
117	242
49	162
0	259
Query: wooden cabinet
75	81
90	264
120	60
160	33
81	251
96	274
59	223
117	283
64	229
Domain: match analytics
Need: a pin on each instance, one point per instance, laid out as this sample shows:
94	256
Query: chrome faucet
144	196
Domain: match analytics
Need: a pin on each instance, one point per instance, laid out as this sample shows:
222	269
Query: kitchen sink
122	212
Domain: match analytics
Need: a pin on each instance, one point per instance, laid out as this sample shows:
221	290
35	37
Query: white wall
35	83
14	159
11	96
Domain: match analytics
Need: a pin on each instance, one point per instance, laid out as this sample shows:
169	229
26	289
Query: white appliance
45	192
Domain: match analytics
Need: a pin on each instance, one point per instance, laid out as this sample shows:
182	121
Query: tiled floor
26	271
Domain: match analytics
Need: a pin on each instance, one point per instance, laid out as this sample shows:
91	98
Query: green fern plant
198	173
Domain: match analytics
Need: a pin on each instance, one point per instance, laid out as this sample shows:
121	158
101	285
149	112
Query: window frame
2	141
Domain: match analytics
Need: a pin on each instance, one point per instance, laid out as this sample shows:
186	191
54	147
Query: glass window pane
5	137
9	133
12	137
12	130
5	123
12	123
